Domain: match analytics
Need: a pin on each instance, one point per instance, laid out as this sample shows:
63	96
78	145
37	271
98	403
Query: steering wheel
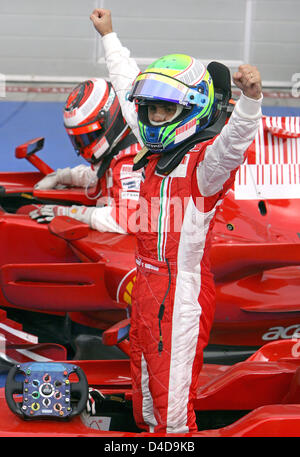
46	390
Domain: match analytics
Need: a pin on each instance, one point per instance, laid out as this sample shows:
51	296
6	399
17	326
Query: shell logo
128	292
124	292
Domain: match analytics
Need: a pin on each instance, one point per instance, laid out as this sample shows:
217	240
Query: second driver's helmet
93	119
179	79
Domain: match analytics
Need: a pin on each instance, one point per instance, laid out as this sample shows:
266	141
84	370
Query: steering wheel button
57	406
46	402
35	406
47	389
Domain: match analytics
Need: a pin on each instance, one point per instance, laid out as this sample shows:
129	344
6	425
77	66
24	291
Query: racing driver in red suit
186	177
99	133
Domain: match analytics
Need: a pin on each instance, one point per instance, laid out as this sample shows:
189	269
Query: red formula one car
259	396
67	268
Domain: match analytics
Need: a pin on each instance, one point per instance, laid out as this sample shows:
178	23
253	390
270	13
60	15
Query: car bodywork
255	256
67	268
253	398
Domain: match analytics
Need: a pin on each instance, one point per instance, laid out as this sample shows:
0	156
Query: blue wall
23	121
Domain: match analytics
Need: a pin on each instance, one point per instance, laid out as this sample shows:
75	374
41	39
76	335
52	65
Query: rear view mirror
29	148
117	333
27	151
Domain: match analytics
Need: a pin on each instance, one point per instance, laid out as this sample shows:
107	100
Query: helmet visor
83	140
155	86
84	135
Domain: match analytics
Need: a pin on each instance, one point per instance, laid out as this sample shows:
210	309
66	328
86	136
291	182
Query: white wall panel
56	38
276	39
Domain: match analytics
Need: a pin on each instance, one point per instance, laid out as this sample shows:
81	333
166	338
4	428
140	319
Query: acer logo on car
275	333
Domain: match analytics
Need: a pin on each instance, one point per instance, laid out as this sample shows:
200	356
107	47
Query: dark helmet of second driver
93	119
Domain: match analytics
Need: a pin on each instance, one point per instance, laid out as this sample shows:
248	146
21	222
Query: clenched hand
248	79
101	19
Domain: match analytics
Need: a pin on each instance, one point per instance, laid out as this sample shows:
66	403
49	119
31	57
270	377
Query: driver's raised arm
121	67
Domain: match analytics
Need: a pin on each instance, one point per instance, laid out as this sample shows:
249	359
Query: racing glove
45	213
94	402
56	180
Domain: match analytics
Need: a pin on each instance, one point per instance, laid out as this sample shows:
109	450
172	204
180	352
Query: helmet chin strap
170	159
178	111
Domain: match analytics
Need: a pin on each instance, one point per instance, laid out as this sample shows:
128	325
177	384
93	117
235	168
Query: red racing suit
116	207
174	295
119	190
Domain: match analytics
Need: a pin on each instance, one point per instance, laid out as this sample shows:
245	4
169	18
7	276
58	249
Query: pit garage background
48	47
